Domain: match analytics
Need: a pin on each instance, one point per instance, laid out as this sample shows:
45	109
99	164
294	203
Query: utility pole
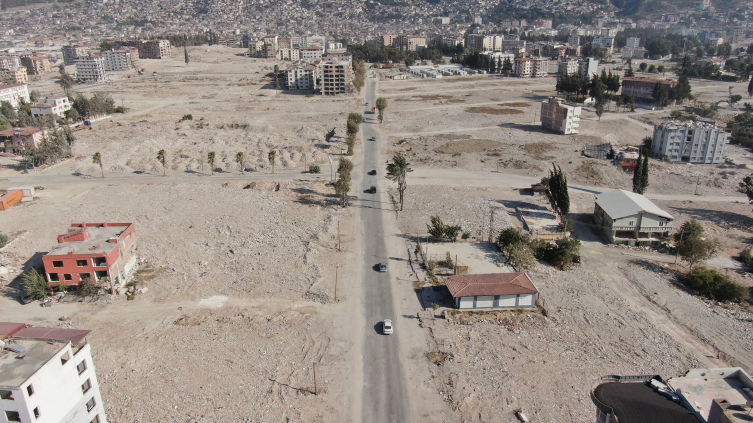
677	247
315	390
491	225
331	173
336	267
338	236
698	181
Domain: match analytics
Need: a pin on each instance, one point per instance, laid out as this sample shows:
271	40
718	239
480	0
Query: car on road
372	139
387	327
154	73
373	190
372	172
382	267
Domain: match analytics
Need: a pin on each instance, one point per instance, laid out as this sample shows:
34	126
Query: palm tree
162	159
396	172
239	159
210	160
97	159
271	157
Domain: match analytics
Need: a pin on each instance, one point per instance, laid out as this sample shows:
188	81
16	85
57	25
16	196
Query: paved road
384	395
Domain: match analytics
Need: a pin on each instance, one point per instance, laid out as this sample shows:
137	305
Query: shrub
119	109
510	236
716	286
466	235
88	288
35	285
441	232
3	240
745	256
314	169
522	251
520	255
186	117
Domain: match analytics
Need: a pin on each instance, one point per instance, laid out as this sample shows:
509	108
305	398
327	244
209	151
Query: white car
387	327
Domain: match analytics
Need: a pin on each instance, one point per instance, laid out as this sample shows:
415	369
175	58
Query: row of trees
374	51
342	185
578	86
359	77
476	60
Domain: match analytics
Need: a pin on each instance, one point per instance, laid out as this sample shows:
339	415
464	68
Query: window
65	357
95	419
81	366
6	395
12	416
30	390
631	223
36	413
54	277
86	386
57	263
82	276
82	263
68	277
90	404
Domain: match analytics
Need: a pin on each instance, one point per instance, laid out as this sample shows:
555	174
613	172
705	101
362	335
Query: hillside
654	8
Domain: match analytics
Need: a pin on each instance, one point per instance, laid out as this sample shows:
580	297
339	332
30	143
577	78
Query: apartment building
312	54
588	67
284	42
36	64
389	39
554	51
573	40
51	106
301	77
567	67
148	49
560	117
633	43
9	61
604	43
513	45
642	89
535	67
335	76
415	42
16	140
48	376
14	75
90	69
690	142
14	94
292	54
120	60
73	52
98	251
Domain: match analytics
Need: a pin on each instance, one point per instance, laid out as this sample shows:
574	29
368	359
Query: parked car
382	267
387	327
372	139
373	190
372	172
26	300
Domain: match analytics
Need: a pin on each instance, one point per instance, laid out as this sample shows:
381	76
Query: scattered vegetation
186	117
716	286
693	246
3	240
314	169
493	111
34	284
522	251
440	232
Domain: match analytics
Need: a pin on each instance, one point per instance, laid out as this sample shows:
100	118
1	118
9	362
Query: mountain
652	8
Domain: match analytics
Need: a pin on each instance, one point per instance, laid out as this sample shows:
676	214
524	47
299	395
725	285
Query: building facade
560	117
531	67
630	218
588	67
335	76
36	64
120	60
48	376
642	89
633	43
16	140
9	61
493	290
90	69
311	54
98	251
16	75
14	94
567	67
51	106
301	77
73	52
690	142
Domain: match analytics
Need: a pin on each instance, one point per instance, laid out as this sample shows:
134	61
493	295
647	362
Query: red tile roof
23	132
490	284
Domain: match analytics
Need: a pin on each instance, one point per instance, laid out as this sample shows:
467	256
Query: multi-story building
311	54
16	140
119	60
389	39
573	40
301	77
535	67
96	251
689	142
567	67
36	64
292	54
513	45
415	42
604	43
630	218
90	69
553	51
588	67
633	43
270	47
14	94
335	76
148	49
284	42
51	106
642	89
9	61
14	75
48	376
73	52
560	117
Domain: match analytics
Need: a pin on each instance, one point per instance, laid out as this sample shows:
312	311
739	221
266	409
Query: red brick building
104	252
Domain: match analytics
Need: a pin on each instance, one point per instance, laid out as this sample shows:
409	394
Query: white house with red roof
492	290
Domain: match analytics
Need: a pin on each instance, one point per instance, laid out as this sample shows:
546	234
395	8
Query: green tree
8	111
352	129
87	288
661	69
344	167
210	160
714	285
185	54
397	170
34	284
240	159
276	77
271	156
638	174
440	232
629	72
355	117
735	98
557	192
97	159
162	159
682	91
643	66
750	88
746	186
342	187
692	246
381	105
599	109
661	94
644	173
652	68
66	82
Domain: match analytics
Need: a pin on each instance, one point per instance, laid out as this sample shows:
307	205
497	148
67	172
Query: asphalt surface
385	394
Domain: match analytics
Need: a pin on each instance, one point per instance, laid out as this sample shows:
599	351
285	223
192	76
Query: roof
74	336
14	371
490	284
645	79
96	240
24	132
5	87
620	203
9	329
699	387
636	402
